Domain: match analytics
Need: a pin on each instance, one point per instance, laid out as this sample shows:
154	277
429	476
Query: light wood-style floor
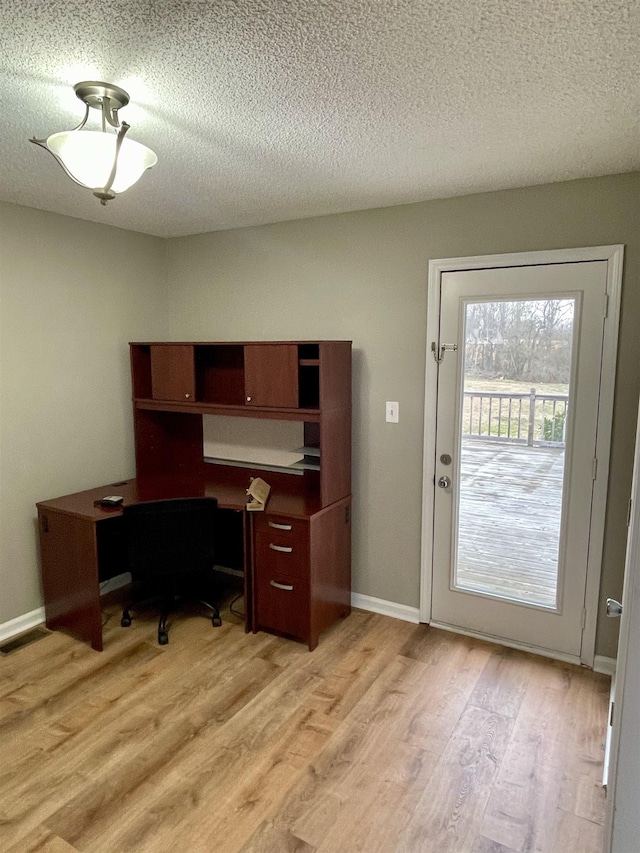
388	737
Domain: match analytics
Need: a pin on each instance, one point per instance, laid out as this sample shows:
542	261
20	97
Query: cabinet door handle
287	587
277	526
282	548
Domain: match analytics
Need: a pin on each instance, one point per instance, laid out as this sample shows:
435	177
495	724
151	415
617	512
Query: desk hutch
296	555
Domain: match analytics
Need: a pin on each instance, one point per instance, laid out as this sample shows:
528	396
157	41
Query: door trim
614	255
622	741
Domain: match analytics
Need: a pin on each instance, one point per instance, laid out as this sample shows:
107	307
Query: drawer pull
282	548
279	526
287	587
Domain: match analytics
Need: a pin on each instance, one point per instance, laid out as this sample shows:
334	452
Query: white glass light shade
88	156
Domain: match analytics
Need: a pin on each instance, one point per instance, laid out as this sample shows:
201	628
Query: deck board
509	527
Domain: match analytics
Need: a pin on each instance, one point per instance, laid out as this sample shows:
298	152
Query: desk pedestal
69	554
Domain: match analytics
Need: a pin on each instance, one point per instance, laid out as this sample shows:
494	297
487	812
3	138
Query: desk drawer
281	526
282	545
282	604
278	553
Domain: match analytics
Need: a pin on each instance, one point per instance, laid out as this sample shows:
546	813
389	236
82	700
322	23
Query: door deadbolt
445	459
444	482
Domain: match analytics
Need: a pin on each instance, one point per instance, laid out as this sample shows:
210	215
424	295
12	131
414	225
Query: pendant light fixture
101	160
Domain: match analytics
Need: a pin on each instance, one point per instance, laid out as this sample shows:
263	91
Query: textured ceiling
267	110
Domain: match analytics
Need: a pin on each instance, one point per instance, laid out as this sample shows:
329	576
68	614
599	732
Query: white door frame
614	256
622	819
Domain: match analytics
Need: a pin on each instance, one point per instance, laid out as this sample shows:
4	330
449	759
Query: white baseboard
386	608
37	617
21	624
607	666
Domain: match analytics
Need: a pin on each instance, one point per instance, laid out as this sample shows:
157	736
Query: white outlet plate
393	412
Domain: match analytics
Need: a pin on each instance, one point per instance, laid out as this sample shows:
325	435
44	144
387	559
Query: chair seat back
170	537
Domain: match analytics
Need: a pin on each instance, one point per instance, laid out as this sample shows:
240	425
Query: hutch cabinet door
173	373
271	375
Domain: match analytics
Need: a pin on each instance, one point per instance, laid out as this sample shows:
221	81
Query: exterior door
520	353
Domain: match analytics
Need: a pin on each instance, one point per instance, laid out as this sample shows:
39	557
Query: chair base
168	606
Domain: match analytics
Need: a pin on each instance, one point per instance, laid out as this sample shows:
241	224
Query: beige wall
72	294
363	276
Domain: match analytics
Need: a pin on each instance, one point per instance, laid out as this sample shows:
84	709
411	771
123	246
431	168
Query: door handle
614	608
444	482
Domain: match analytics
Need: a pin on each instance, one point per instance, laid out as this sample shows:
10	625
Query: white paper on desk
258	493
252	440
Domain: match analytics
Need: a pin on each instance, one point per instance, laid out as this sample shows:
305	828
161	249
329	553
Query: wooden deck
510	505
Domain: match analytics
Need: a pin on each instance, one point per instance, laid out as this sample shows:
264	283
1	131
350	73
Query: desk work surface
296	565
295	554
135	490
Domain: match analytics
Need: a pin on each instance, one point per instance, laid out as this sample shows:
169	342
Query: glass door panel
513	415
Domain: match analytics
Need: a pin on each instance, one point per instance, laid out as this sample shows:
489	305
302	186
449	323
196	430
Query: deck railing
533	419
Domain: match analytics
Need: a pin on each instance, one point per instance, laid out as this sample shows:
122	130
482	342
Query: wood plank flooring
509	524
388	737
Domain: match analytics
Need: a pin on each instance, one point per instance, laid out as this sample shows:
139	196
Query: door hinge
613	705
594	468
629	514
583	621
606	305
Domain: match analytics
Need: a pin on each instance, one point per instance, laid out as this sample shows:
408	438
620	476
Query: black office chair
170	545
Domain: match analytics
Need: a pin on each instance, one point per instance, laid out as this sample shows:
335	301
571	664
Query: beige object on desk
258	493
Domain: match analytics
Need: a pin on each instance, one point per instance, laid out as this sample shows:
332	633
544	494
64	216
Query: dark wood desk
296	555
82	545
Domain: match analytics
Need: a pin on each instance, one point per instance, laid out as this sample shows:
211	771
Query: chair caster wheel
125	622
216	621
163	638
